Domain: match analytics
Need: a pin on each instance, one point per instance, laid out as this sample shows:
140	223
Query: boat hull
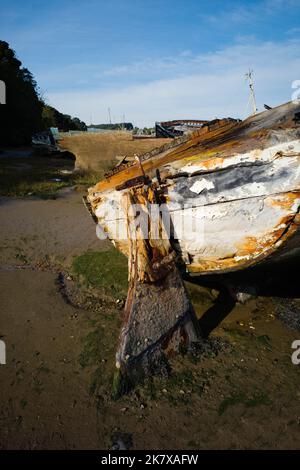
229	197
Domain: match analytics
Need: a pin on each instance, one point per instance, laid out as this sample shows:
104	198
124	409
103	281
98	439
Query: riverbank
62	296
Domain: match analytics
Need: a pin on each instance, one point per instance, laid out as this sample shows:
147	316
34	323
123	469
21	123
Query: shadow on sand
278	281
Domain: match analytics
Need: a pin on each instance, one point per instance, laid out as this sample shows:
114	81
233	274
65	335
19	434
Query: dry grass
97	152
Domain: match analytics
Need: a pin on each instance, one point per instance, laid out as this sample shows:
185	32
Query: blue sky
156	59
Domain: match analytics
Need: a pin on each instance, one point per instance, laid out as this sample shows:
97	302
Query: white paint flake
201	184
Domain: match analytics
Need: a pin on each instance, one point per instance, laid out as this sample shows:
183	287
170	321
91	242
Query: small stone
182	392
164	390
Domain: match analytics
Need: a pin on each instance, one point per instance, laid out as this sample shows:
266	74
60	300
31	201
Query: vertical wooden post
159	318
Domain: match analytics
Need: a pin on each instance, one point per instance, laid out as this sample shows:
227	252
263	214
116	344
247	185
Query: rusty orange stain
265	249
285	202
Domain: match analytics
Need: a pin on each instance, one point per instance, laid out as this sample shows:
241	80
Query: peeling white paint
202	184
267	154
274	181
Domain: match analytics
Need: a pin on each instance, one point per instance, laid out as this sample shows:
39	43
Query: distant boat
177	127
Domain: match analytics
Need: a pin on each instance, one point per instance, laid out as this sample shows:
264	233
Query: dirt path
241	392
33	230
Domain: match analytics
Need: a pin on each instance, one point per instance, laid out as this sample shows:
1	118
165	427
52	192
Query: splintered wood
158	318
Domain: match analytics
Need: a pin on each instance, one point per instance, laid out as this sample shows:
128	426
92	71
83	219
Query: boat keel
159	319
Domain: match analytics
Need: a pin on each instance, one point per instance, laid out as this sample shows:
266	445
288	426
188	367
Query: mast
249	78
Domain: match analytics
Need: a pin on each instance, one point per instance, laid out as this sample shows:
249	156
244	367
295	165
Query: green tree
21	116
48	116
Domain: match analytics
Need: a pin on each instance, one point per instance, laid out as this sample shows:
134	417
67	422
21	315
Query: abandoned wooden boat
241	179
231	194
177	127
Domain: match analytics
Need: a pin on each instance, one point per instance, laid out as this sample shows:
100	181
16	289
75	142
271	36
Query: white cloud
248	13
190	86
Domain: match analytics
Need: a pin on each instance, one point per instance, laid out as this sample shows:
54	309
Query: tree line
25	112
112	127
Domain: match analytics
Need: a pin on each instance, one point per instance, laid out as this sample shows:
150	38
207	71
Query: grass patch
93	347
43	368
106	269
21	257
42	176
180	386
150	389
91	356
37	385
96	381
32	176
99	356
20	374
240	398
181	379
265	341
23	404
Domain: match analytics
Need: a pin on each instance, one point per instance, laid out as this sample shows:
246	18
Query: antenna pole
249	77
109	116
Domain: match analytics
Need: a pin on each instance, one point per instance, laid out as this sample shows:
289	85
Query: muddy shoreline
61	329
